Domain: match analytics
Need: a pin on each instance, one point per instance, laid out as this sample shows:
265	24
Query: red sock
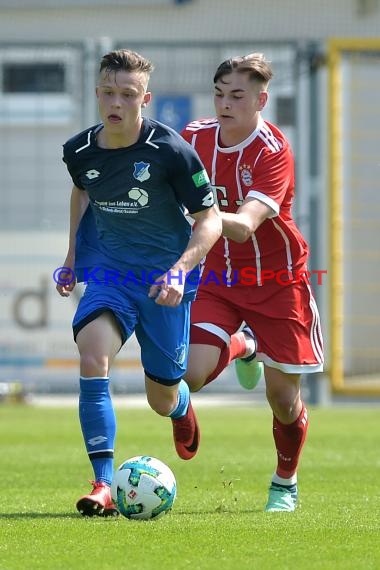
236	349
289	440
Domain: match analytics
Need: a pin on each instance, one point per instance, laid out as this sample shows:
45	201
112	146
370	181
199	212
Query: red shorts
284	319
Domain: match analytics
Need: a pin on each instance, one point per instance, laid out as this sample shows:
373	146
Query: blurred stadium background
326	58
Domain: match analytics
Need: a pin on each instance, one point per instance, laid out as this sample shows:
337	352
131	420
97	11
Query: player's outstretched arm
78	204
240	226
206	232
208	228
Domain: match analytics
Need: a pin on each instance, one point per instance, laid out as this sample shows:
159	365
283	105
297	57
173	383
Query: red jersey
262	167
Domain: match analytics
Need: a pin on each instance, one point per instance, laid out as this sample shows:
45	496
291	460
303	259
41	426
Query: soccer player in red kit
257	271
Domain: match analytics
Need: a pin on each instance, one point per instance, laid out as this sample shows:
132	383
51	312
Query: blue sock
98	423
182	401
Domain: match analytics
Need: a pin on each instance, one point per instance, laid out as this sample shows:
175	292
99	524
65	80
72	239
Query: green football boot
281	498
249	370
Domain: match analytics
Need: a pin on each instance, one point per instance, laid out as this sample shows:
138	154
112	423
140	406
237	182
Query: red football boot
186	434
99	502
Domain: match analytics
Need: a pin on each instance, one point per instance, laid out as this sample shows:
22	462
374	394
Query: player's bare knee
196	375
162	407
92	365
195	382
284	405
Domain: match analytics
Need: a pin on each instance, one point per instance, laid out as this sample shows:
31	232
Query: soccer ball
143	487
141	196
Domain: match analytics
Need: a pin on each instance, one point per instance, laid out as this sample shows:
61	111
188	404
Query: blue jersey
136	228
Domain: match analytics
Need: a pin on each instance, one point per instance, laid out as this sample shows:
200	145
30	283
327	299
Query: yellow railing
363	385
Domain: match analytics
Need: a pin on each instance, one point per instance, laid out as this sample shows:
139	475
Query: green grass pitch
217	522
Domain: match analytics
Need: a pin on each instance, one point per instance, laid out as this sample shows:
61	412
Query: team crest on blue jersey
180	354
141	172
246	174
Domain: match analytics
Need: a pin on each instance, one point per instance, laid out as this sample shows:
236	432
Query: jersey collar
241	145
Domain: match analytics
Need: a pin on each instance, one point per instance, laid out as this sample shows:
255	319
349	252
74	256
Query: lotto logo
91	174
208	200
97	440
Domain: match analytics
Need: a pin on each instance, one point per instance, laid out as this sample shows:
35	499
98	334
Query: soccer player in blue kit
135	180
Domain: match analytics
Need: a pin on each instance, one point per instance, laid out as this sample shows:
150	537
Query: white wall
200	20
36	342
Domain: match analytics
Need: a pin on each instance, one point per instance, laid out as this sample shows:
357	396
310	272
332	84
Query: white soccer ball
143	488
139	195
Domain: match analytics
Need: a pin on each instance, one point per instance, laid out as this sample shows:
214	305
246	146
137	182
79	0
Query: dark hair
255	64
125	60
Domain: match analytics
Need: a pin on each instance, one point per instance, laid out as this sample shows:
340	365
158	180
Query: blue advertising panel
174	111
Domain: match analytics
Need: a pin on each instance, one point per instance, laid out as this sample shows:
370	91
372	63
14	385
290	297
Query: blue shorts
162	332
